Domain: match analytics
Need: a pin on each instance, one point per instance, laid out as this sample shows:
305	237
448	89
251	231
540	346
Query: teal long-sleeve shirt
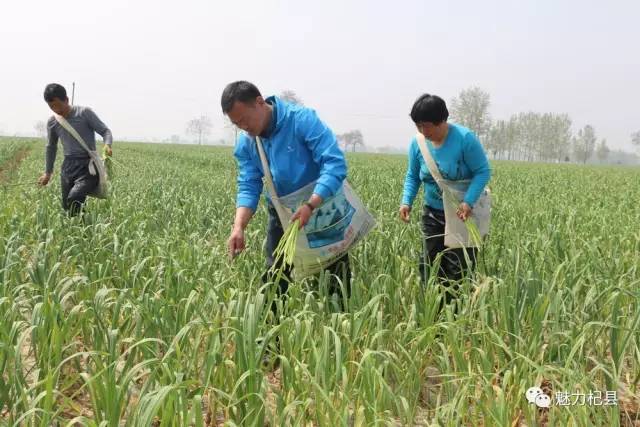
460	157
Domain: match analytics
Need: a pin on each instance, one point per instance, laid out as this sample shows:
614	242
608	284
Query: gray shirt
86	123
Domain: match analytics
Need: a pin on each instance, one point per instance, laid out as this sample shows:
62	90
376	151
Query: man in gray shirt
76	180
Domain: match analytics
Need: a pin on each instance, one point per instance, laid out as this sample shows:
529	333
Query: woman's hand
405	213
464	211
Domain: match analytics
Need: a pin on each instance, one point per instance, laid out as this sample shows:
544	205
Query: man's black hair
241	91
54	90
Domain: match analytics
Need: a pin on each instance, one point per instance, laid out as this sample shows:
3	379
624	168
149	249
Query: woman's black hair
429	108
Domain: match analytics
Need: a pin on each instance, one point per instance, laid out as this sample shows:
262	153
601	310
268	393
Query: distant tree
41	128
201	127
352	138
531	136
512	134
621	157
471	109
603	151
495	140
635	139
553	136
290	96
231	129
529	125
562	136
584	144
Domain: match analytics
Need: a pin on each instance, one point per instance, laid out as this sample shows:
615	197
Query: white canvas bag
333	228
456	234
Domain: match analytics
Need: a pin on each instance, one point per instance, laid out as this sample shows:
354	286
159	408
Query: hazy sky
147	67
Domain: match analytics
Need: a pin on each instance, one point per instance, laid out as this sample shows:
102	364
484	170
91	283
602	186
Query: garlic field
135	316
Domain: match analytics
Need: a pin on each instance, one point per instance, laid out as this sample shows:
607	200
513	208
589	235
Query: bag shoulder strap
428	159
65	124
282	212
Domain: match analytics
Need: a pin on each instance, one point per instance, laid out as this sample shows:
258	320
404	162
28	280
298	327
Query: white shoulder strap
428	159
282	212
265	167
65	124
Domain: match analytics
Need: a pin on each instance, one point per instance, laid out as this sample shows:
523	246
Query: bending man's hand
236	243
305	211
44	179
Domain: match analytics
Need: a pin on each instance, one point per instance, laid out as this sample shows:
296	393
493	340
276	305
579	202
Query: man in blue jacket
300	149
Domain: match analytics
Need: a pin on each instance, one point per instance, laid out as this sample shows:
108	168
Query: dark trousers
339	269
454	264
76	183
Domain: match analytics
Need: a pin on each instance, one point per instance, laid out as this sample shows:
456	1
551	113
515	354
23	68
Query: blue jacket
460	157
300	149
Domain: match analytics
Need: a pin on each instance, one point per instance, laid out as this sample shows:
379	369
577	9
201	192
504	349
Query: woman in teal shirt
459	156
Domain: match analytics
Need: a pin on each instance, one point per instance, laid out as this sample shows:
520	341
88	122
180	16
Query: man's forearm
243	216
50	158
107	137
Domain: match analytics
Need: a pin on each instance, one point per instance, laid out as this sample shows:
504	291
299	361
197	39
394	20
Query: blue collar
274	118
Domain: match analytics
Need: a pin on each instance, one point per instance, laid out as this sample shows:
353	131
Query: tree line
528	136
